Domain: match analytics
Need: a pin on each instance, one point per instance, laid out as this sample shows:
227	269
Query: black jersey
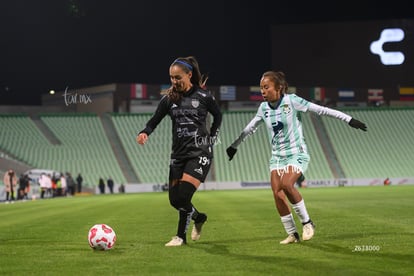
191	137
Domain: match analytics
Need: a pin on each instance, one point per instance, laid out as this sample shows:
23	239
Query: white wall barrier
342	182
210	186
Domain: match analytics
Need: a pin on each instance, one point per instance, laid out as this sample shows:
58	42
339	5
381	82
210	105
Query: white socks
288	221
300	210
289	224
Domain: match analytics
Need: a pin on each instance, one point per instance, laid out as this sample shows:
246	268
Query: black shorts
197	167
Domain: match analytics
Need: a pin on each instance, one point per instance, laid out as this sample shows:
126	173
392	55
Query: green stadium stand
20	136
150	162
385	150
84	147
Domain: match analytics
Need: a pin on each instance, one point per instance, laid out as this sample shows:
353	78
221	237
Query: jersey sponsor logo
183	120
185	112
184	132
268	114
277	127
174	106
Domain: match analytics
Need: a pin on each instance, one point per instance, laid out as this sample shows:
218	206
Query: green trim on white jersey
284	125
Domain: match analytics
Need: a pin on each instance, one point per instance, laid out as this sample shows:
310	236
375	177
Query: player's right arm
250	128
160	113
142	138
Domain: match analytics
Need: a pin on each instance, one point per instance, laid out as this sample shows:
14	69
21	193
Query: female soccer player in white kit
289	160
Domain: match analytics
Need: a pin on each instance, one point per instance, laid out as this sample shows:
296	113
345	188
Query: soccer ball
101	237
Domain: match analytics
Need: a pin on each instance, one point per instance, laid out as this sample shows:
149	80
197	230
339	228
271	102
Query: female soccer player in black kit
188	105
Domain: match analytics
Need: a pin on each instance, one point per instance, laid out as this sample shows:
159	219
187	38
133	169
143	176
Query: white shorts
299	162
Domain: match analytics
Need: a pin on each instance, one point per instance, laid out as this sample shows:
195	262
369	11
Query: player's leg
197	169
186	190
180	198
288	181
199	220
181	195
176	172
283	209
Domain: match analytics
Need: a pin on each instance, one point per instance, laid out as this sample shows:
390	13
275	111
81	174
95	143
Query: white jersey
284	124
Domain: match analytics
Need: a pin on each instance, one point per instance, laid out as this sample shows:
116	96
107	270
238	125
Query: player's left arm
323	110
214	109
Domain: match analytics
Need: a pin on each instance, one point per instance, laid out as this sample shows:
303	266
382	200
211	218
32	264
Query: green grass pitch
359	231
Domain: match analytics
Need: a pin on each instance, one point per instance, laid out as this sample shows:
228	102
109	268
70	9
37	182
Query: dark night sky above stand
77	43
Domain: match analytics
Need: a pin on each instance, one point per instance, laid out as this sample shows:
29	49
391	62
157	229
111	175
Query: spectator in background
45	183
10	183
110	183
79	181
54	179
27	189
63	185
42	183
58	186
101	185
23	186
49	186
70	183
55	184
29	184
121	188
